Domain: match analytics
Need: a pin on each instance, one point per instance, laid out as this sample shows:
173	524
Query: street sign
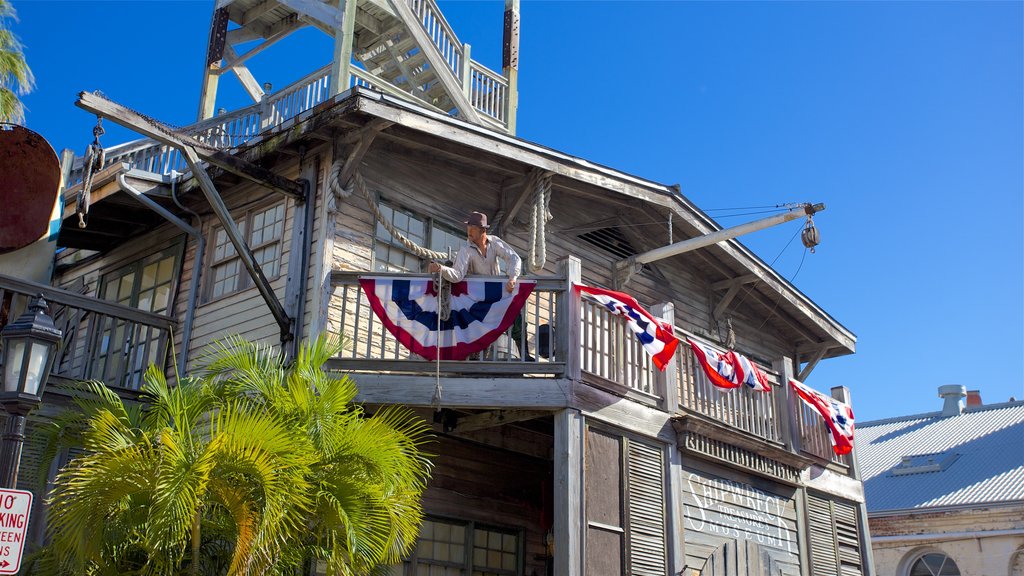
15	508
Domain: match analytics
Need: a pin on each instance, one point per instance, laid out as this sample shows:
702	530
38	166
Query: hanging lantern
809	236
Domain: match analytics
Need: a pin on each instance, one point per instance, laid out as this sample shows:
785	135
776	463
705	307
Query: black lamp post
29	346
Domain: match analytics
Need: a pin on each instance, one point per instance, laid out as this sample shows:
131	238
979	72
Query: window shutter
834	537
647	546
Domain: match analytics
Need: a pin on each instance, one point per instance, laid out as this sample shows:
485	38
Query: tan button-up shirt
471	260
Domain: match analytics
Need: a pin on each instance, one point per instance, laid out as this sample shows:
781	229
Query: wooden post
510	61
567	320
785	409
214	55
666	379
467	72
568	490
343	39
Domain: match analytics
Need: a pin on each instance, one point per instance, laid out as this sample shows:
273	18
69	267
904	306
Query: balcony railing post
665	380
467	74
789	426
568	318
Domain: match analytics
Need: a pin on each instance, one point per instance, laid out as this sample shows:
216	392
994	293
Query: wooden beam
725	301
344	39
739	280
366	138
233	59
497	418
132	120
535	175
568	491
252	87
444	73
813	362
256	12
316	10
241	247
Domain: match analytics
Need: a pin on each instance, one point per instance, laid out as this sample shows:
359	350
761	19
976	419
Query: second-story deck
569	342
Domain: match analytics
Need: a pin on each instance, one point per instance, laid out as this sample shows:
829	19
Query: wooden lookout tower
404	48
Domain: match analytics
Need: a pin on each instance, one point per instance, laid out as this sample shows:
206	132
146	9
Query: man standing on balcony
481	255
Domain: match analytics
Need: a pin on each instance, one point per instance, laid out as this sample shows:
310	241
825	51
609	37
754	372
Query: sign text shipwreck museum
563	448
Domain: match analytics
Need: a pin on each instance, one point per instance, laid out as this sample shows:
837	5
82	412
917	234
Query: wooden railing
743	408
814	436
531	350
100	340
488	93
440	32
610	352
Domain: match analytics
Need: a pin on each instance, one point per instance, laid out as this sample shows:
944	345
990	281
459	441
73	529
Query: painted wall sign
736	510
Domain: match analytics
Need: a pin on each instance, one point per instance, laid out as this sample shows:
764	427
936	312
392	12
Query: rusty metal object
29	186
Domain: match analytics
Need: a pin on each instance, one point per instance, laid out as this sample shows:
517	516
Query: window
122	350
834	537
454	548
391	256
934	564
263	230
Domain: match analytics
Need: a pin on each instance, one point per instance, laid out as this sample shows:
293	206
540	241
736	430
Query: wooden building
565	453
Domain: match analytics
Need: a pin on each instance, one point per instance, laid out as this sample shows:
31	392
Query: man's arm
457	271
513	263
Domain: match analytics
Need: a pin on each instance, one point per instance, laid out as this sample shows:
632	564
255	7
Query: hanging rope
539	216
444	308
333	181
360	186
93	162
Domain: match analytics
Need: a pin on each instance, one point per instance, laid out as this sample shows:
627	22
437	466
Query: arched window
934	564
1017	563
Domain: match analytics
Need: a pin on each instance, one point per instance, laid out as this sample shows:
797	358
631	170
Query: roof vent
612	240
953	394
923	463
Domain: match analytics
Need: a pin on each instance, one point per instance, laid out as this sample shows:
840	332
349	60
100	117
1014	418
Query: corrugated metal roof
985	446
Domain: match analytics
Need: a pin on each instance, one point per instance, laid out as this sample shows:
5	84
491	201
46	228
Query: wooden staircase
404	48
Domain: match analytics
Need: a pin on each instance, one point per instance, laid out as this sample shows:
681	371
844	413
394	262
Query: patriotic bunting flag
748	373
717	365
729	369
655	335
481	309
838	416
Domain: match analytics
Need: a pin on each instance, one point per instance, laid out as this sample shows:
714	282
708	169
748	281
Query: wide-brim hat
476	219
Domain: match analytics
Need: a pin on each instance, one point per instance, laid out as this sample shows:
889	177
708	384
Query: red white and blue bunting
838	416
481	310
729	369
656	336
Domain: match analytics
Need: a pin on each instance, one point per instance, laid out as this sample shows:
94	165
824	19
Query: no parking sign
15	508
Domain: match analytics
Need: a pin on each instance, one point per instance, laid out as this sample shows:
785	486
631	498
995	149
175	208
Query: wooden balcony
101	340
601	350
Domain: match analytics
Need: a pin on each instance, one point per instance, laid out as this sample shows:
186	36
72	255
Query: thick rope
360	186
539	216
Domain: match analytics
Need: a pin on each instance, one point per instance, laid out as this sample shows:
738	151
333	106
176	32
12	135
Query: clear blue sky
906	119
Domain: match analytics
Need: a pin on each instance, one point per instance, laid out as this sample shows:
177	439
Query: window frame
915	556
243	220
410	564
97	327
429	225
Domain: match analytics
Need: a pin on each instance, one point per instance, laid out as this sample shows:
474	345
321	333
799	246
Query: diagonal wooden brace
100	106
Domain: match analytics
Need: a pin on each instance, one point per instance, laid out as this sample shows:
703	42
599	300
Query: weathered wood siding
722	505
493	487
244	313
447	192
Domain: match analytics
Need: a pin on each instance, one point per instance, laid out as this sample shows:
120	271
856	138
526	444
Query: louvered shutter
647	546
834	537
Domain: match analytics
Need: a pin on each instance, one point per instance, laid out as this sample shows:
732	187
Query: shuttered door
647	529
834	537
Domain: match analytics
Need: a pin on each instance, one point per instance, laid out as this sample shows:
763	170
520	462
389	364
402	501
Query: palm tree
254	467
15	76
